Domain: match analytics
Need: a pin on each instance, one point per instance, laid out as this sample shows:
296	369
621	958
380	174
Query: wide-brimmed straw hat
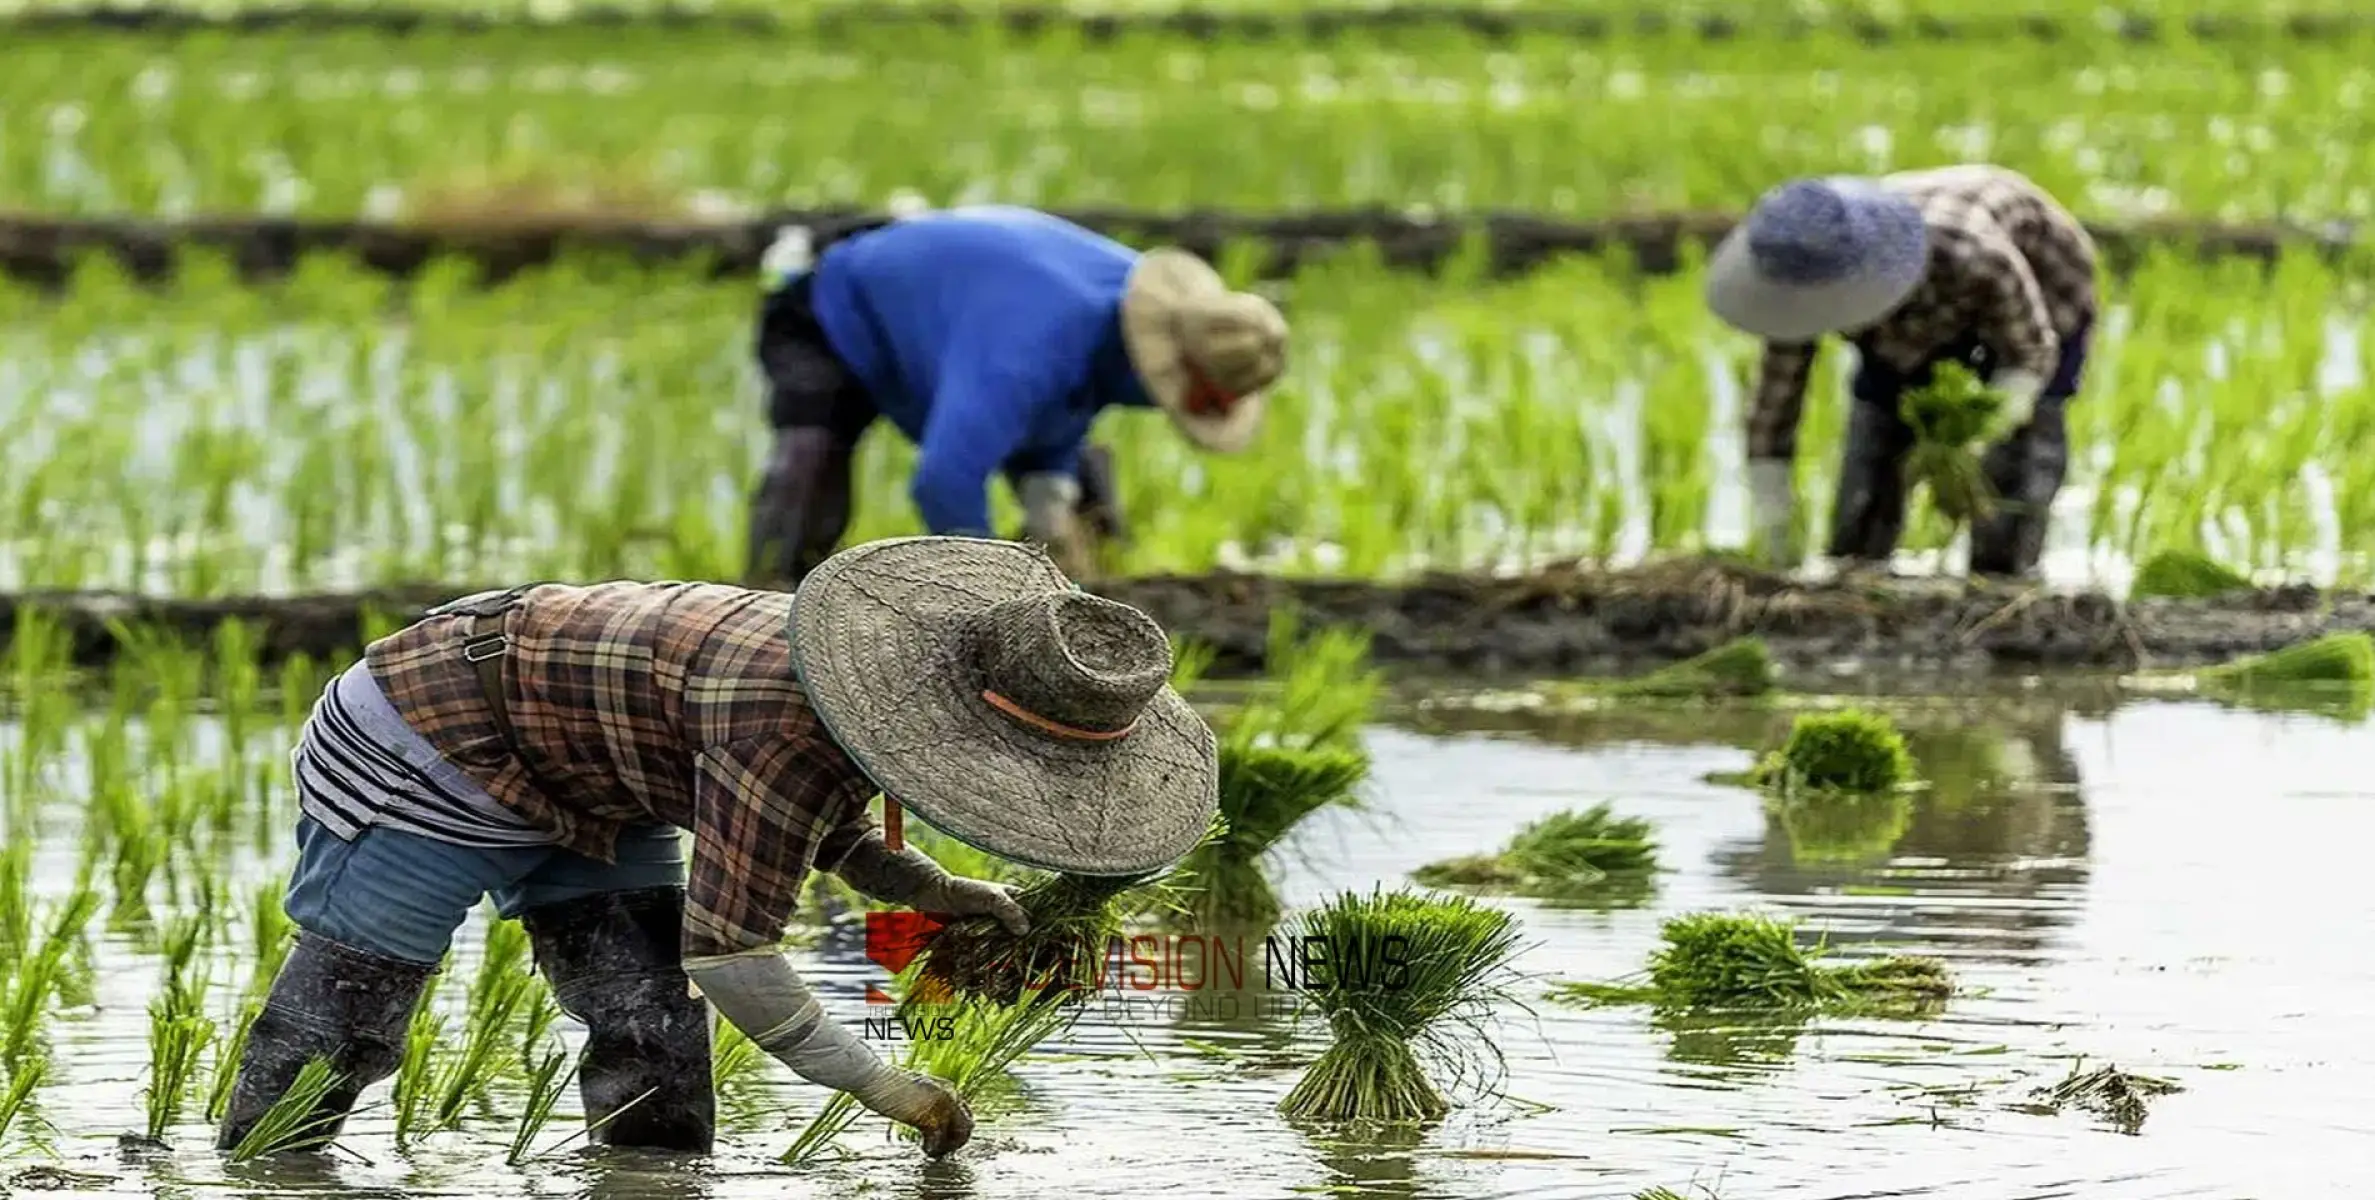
1819	256
1207	355
977	686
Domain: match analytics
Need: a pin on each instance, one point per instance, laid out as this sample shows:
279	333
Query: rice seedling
271	936
17	1097
1737	669
2332	675
2187	575
1565	855
2116	1096
1752	962
177	1037
1320	689
417	1074
1074	918
1410	980
35	981
295	1121
224	1072
1948	416
546	1081
1265	791
1851	750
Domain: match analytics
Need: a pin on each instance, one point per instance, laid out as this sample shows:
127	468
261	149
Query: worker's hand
2019	390
927	1105
1773	512
959	896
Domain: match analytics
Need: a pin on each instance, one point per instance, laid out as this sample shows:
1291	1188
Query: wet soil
1471	19
42	251
1567	620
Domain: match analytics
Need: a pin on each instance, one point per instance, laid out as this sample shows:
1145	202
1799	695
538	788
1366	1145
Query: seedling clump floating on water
1407	985
1265	791
1847	751
1747	961
2187	575
1569	854
1948	415
1739	668
2108	1092
2333	674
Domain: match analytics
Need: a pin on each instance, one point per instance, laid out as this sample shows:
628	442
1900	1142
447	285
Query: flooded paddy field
2167	886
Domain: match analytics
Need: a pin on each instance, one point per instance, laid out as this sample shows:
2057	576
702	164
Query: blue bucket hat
1818	256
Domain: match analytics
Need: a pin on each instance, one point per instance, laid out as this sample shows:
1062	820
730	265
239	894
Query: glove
2019	389
1773	511
764	997
910	877
1051	517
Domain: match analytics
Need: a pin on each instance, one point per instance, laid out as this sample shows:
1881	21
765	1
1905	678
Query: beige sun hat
1180	322
976	685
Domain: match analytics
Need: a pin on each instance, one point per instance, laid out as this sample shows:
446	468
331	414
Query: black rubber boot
2026	472
1868	516
615	964
329	1001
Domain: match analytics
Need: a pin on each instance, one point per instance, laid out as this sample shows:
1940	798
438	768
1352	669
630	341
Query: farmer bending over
991	337
547	745
1972	264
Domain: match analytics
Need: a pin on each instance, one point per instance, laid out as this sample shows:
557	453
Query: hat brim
1159	283
1746	300
879	638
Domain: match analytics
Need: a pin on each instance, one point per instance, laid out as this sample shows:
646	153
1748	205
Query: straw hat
1819	256
1206	354
975	684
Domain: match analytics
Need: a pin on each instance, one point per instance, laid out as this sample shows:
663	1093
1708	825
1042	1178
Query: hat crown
1811	231
1067	663
1237	339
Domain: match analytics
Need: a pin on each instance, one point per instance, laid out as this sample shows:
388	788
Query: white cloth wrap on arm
765	998
2020	388
1048	500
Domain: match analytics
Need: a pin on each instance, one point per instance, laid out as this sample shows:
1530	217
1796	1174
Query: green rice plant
417	1071
1266	789
1564	855
30	988
177	1036
1191	661
538	1012
2341	662
17	1096
2187	575
1852	750
1074	918
271	936
546	1082
296	1121
1410	980
1322	688
224	1073
1839	826
16	907
1949	415
1750	962
1736	669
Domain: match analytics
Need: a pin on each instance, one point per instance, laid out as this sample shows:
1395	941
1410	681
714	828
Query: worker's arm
981	416
2016	325
1775	408
860	855
761	814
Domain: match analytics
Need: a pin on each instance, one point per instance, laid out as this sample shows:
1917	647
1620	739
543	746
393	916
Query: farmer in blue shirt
991	337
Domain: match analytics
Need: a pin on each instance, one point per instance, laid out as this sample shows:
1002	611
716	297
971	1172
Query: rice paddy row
597	420
713	123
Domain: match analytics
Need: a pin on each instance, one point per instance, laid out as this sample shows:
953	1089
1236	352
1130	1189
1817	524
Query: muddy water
2171	887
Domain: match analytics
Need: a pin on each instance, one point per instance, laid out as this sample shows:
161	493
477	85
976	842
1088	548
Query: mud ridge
1568	620
44	250
1315	24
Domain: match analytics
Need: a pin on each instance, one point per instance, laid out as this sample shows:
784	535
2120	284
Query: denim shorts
401	895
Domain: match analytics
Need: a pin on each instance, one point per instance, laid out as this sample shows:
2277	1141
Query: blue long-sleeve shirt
990	336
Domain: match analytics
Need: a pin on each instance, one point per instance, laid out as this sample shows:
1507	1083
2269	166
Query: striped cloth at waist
358	765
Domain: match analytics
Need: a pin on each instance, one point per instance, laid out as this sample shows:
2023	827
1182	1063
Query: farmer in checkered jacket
644	774
1972	264
991	338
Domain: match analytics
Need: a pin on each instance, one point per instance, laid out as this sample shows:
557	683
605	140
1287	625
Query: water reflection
1379	1163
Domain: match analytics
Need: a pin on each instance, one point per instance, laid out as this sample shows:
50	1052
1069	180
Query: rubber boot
1868	516
615	964
2026	471
329	1001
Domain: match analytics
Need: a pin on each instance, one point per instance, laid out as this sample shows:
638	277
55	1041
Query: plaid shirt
2007	264
642	702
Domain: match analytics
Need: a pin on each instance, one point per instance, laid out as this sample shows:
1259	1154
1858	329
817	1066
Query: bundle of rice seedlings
1738	668
1565	854
1409	981
1074	918
1851	750
178	1033
1947	416
2333	675
1322	691
296	1121
1266	789
1747	961
2186	575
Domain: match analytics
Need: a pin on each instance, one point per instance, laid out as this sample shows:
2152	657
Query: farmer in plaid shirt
551	746
1972	264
